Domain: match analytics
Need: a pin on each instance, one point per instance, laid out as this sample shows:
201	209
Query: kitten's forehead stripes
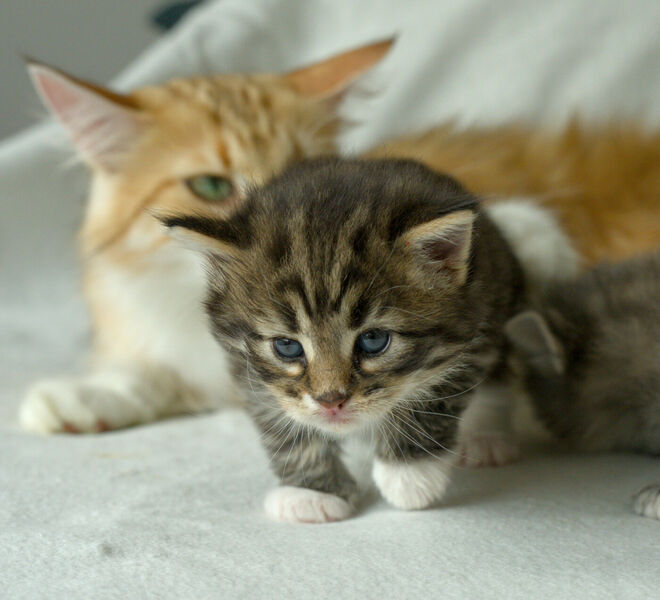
325	258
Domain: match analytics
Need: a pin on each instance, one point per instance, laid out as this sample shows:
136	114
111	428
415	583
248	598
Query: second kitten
590	361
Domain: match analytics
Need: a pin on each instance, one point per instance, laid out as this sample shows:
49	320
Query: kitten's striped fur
334	248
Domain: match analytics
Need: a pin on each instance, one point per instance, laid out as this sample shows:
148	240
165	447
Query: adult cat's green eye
373	341
211	188
288	349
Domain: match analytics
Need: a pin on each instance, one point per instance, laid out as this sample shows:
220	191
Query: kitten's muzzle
334	399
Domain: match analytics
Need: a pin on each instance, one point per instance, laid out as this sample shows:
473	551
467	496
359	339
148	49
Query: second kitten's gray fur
590	361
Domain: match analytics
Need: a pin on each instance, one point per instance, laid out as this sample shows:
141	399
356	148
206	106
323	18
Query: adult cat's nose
334	399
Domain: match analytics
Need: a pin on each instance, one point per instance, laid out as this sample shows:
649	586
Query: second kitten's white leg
485	435
415	484
110	398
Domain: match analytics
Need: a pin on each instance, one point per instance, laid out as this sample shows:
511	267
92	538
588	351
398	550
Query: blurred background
112	33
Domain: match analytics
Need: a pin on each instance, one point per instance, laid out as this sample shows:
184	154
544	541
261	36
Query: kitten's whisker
287	435
426	434
293	444
403	434
389	289
424	317
437	414
418	445
382	266
477	384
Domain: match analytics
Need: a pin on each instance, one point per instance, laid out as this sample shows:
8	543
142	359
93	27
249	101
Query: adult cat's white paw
647	501
488	450
413	485
59	405
301	505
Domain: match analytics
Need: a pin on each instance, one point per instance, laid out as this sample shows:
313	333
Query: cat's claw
488	450
412	485
301	505
646	502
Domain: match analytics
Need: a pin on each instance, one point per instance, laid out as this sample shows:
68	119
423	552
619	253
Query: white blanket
173	510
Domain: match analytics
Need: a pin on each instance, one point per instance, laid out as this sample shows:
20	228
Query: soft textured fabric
173	510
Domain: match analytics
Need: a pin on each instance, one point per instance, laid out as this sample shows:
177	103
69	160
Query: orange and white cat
188	145
193	145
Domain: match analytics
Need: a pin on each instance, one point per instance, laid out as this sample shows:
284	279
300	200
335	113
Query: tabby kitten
358	296
189	144
589	360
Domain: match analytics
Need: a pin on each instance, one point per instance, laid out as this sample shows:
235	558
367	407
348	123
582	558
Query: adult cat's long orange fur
603	182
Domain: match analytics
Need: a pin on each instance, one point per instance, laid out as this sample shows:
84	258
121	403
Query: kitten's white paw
413	485
488	450
301	505
58	405
647	501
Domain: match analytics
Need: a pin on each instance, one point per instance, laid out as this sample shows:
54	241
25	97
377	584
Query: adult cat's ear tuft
331	78
533	341
101	124
442	247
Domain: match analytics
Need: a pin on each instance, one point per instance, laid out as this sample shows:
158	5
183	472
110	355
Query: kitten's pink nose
334	399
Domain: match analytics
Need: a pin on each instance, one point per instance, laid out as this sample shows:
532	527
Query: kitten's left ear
442	247
331	78
215	237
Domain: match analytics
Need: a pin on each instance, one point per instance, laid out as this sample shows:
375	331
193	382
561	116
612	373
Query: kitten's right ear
441	248
532	339
331	78
101	124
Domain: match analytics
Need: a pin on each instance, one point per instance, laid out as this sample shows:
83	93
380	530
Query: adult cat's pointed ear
441	247
102	124
533	341
330	78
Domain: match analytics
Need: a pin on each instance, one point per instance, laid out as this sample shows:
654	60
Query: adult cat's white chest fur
157	356
162	307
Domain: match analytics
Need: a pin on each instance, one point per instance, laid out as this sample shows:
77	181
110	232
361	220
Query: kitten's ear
442	247
101	123
213	237
331	78
532	339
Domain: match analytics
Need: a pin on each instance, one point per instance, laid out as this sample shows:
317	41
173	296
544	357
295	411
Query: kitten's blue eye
373	341
210	188
287	348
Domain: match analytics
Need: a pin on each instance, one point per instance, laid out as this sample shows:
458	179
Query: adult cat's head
347	288
193	144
